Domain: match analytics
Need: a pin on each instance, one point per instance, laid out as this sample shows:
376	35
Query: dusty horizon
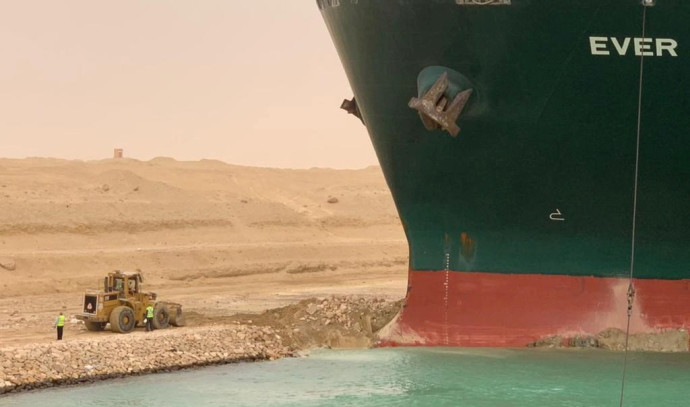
161	158
245	83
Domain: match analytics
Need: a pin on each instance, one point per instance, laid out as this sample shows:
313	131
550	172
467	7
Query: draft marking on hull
556	215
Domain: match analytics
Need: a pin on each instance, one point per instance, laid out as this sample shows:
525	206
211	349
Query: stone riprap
43	365
336	321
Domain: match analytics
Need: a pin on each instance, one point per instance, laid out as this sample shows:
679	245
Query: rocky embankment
320	322
43	365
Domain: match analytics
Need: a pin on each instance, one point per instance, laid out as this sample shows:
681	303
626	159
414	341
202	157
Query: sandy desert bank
219	238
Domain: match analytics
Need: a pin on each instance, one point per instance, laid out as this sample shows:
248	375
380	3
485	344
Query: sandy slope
218	238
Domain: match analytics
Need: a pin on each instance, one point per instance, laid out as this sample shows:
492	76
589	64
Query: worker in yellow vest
149	318
60	325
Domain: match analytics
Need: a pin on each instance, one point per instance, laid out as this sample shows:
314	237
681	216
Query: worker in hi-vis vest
60	325
149	318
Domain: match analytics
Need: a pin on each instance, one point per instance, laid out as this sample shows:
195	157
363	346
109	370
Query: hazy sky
247	82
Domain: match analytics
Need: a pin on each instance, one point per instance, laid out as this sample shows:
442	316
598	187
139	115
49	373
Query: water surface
400	377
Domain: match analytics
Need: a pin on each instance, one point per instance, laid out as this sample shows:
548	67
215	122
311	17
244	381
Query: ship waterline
513	310
528	203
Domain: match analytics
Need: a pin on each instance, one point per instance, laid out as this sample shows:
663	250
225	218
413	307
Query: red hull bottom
513	310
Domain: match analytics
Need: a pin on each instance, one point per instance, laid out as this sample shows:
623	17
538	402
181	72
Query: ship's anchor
432	106
351	107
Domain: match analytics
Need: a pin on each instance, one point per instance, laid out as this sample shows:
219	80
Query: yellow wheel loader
122	304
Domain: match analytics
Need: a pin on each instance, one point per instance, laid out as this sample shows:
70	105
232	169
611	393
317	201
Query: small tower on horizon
118	153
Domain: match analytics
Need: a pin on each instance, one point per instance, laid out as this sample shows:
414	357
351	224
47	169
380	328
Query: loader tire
95	326
177	317
161	316
122	320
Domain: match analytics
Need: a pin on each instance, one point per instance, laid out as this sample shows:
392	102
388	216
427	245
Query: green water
400	377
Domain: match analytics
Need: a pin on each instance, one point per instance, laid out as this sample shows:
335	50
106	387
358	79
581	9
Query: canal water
400	377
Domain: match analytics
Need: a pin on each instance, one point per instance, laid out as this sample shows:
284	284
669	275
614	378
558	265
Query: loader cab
118	284
124	283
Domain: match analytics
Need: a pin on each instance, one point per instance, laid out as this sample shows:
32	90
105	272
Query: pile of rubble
332	322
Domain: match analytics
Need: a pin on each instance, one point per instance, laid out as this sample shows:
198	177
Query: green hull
550	132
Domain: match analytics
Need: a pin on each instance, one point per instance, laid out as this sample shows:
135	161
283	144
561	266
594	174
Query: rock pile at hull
671	340
330	322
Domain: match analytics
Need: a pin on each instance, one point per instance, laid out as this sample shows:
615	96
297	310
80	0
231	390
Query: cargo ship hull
561	179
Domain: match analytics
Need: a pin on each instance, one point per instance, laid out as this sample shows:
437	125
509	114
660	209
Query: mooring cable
631	288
